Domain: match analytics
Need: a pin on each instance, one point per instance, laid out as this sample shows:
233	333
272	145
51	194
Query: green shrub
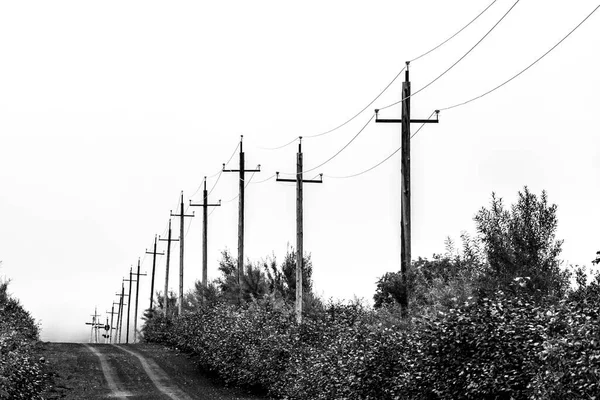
21	376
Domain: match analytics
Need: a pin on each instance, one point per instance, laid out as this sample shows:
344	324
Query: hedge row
21	376
501	348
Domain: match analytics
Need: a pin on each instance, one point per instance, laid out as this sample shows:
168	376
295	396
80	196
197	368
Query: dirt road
141	371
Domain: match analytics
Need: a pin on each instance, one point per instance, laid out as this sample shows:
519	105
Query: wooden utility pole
299	226
242	172
112	314
168	240
121	309
405	220
154	254
130	280
205	206
94	326
182	215
137	295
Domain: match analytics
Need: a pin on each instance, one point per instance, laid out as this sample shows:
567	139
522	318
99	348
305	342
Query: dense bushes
20	373
502	347
497	320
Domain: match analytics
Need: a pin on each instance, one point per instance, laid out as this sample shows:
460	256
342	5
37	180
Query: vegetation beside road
21	370
500	319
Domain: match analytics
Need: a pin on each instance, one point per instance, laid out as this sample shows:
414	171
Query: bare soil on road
141	371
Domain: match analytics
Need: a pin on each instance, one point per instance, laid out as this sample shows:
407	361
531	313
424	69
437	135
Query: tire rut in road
158	376
114	384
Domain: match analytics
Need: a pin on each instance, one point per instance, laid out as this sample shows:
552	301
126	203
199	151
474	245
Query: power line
217	181
452	37
216	173
336	154
382	161
361	111
280	147
459	60
387	86
264	180
525	69
238	195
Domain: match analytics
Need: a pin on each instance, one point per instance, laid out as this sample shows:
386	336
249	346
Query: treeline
498	318
21	375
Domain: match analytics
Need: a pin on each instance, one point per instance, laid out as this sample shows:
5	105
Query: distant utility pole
168	240
120	314
137	296
299	226
94	326
205	206
405	231
106	334
182	215
112	314
130	280
242	172
154	254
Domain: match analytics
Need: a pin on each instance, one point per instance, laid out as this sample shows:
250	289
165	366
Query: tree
521	242
288	269
389	289
200	296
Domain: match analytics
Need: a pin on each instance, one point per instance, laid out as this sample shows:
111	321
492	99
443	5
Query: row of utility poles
405	223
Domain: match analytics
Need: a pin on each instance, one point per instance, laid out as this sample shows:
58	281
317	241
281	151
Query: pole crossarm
278	179
184	215
245	170
412	121
201	205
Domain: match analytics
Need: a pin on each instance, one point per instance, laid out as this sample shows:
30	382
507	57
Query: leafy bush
21	376
501	347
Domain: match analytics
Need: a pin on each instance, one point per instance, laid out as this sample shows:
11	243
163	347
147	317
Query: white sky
109	109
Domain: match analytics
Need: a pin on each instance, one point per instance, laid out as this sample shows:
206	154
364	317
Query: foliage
509	345
435	284
493	320
520	242
21	375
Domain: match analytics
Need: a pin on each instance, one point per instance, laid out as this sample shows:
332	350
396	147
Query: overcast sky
109	109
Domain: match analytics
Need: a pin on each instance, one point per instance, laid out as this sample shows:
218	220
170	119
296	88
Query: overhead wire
238	195
456	62
264	180
382	161
453	36
217	173
336	154
526	68
387	86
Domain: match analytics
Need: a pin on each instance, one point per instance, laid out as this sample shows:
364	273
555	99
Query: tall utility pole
112	314
205	206
182	215
405	223
168	240
137	296
154	254
130	280
299	227
242	172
